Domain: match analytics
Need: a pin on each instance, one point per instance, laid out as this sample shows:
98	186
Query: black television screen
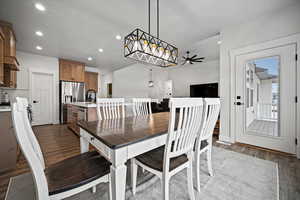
204	90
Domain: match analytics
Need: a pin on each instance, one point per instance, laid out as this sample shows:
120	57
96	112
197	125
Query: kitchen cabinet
91	81
77	113
71	70
8	143
10	77
1	56
10	59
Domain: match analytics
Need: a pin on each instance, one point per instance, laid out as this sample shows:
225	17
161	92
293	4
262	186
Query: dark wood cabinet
1	56
71	70
9	51
10	77
8	143
77	113
91	81
8	61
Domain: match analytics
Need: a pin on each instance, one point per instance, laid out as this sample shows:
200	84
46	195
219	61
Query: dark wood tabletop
117	133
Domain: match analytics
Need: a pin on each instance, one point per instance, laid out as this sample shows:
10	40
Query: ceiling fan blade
194	56
200	58
183	57
183	63
191	63
197	61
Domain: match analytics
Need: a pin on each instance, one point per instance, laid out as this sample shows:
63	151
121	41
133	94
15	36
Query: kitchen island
88	112
80	111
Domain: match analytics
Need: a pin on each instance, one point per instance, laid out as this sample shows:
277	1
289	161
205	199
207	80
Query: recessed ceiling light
39	33
100	50
90	58
40	7
219	42
118	37
39	48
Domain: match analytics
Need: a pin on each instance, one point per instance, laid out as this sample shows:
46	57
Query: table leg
118	181
84	145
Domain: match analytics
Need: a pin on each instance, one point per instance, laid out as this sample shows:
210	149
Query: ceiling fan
191	60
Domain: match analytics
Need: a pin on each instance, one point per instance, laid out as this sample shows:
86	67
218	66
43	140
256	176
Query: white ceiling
76	29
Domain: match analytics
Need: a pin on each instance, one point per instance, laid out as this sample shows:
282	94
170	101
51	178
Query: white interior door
265	98
42	98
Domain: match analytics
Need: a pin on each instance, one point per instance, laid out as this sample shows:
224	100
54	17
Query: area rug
236	177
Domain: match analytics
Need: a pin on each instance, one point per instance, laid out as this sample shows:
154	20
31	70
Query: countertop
91	105
84	104
5	108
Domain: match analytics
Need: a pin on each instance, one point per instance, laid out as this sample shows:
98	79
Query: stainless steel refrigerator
69	92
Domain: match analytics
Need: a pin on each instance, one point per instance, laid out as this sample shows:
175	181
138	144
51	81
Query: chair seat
155	159
76	171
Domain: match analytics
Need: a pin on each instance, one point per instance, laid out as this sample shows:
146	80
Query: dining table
119	140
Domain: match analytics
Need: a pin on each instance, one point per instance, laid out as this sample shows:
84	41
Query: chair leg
134	168
165	187
197	154
109	189
209	164
94	189
190	179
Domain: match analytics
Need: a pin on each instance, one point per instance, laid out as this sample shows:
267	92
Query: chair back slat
185	122
141	106
110	108
213	110
22	103
36	166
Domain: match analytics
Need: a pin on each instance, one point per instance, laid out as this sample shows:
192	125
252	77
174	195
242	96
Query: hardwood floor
58	143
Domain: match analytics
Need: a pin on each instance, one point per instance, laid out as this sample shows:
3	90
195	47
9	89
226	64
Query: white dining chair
177	154
204	139
110	108
65	178
141	106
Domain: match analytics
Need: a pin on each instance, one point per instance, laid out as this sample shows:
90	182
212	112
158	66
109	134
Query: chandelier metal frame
144	47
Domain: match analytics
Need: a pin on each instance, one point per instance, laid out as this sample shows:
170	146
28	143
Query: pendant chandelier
144	47
150	83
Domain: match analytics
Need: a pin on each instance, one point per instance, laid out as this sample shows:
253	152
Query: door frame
31	72
292	39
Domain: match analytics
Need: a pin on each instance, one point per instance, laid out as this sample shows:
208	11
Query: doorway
42	98
109	90
265	103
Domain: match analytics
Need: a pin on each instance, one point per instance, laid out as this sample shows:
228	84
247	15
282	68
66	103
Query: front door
42	98
265	98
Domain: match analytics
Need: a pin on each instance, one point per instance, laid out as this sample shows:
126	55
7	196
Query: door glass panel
262	96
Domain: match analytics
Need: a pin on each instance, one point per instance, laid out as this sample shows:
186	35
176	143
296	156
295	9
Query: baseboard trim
222	142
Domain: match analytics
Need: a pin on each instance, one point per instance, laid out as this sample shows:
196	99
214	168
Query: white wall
280	24
200	73
132	81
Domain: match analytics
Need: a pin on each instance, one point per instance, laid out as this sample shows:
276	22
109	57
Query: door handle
34	101
238	103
